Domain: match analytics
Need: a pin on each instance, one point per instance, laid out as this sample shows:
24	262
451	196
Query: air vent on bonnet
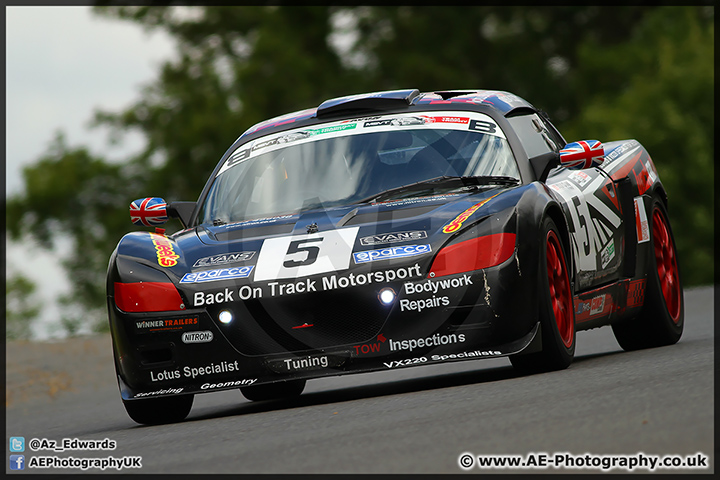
387	215
251	232
367	102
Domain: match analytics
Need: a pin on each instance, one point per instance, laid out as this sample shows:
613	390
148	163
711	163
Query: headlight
474	254
147	297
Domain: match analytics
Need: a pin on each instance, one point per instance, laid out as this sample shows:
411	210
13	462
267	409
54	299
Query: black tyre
662	317
156	411
557	318
274	391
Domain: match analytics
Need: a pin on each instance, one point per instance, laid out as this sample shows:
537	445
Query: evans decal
219	274
197	337
391	252
392	237
224	259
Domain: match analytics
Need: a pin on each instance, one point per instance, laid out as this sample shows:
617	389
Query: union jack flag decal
582	154
148	212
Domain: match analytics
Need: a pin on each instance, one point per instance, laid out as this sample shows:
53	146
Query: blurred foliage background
607	73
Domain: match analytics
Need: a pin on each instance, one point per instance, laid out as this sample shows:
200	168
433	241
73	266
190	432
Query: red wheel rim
666	262
559	283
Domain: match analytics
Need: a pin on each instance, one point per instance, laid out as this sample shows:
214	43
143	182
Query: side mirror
182	211
154	211
148	212
542	164
583	154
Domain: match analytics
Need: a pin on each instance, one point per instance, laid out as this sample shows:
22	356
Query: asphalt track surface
414	420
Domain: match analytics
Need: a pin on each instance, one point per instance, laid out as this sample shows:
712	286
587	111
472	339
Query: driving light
225	316
473	254
387	296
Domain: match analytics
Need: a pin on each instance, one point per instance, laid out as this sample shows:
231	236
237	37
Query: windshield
347	162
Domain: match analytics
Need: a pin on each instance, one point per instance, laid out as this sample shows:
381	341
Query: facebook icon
17	462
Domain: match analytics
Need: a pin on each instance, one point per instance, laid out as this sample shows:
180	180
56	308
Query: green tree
587	66
663	96
21	307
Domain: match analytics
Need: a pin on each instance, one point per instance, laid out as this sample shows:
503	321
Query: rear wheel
557	319
274	391
662	317
156	411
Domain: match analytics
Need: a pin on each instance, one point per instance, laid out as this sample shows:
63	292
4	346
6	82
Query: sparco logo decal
197	337
166	256
391	252
457	222
218	274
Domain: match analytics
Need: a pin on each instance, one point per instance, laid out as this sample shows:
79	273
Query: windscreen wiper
445	181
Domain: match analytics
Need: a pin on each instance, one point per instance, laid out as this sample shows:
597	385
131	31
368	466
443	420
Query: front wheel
557	319
661	319
274	391
156	411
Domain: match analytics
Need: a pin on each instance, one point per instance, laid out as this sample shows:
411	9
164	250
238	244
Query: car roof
504	103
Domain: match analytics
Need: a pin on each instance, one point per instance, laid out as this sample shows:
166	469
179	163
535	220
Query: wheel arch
554	211
533	207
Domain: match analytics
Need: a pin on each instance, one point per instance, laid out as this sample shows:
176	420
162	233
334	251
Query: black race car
385	230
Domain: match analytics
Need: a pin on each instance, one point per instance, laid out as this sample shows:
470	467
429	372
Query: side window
534	135
553	134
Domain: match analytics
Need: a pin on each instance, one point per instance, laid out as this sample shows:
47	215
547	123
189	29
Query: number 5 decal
306	254
299	246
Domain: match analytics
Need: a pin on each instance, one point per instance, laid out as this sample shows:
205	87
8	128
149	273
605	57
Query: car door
590	200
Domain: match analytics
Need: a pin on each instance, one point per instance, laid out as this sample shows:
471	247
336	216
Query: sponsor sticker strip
473	121
166	256
325	283
641	221
458	221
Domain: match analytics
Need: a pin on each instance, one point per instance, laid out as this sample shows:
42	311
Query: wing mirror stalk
182	211
154	211
542	164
